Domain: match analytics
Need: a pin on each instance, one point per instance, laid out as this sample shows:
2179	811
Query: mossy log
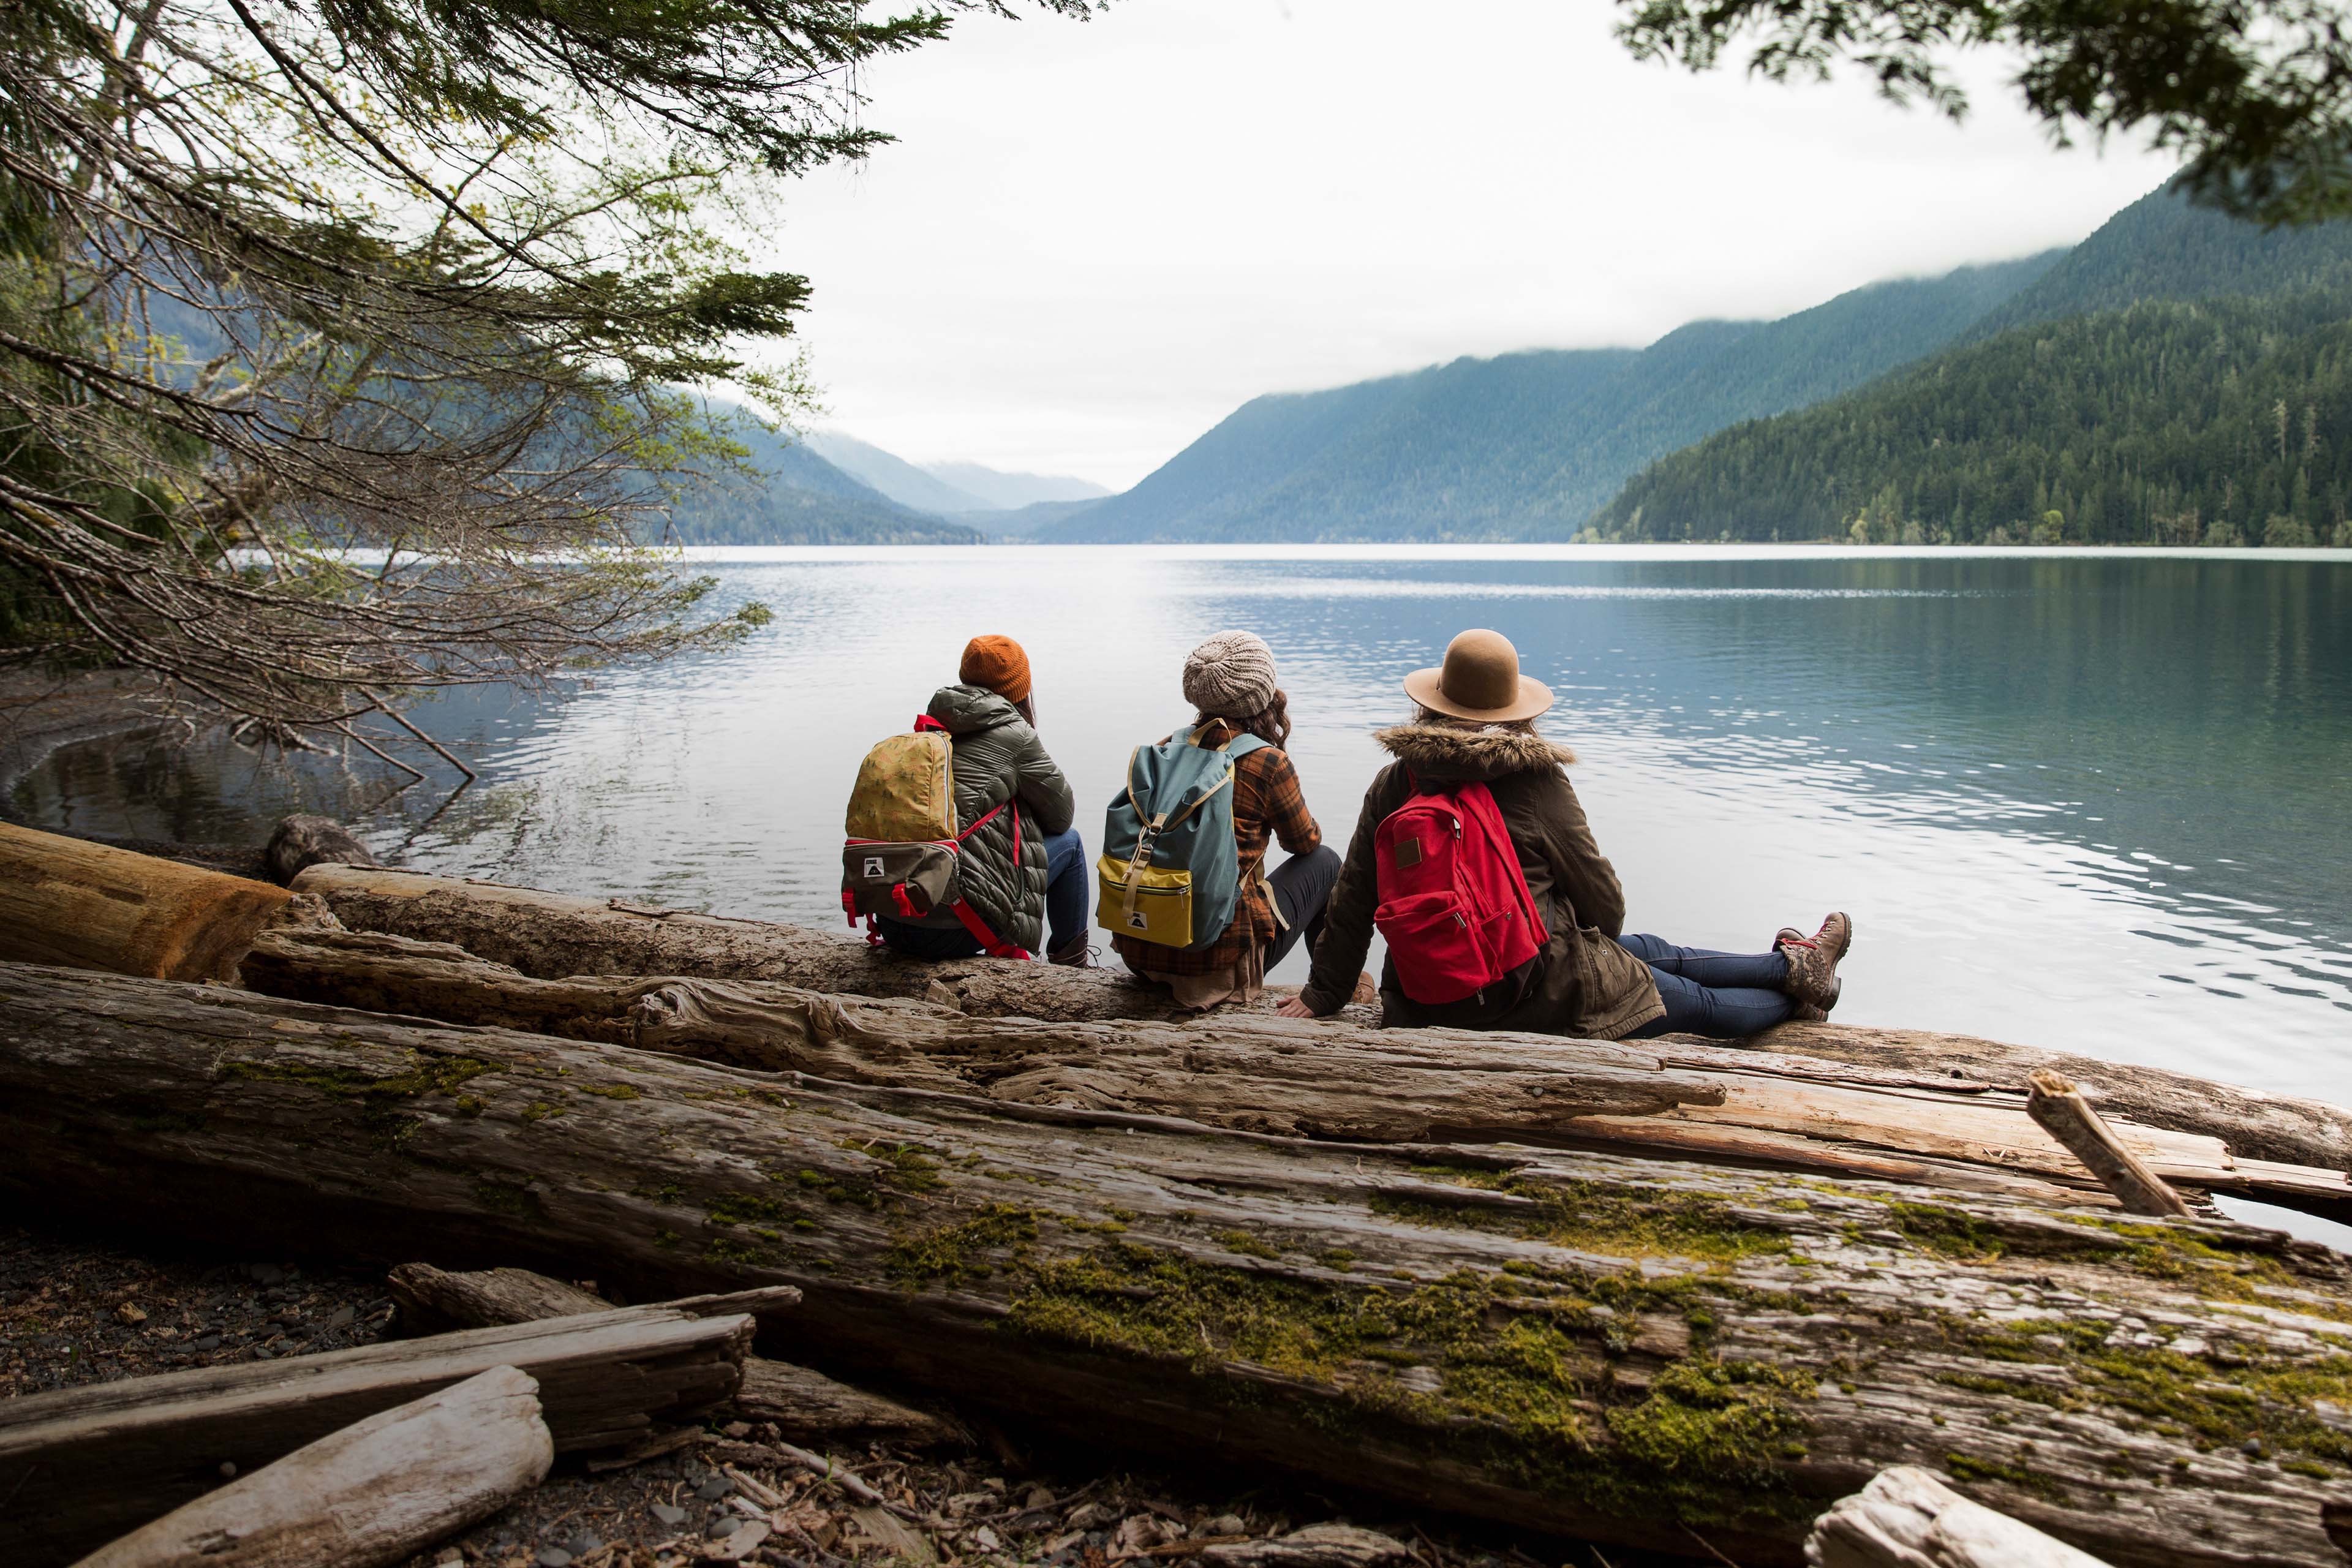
68	901
1321	1078
549	936
1628	1350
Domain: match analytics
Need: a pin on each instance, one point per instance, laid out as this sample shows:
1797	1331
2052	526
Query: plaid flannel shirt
1268	805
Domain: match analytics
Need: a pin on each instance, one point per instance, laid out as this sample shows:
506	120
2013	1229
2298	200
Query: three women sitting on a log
1472	858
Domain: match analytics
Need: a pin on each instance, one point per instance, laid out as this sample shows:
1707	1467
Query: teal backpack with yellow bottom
1171	871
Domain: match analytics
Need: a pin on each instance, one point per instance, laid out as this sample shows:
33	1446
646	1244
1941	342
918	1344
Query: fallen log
548	936
1626	1349
68	901
552	936
801	1402
83	1465
2255	1124
374	1493
1908	1518
1268	1074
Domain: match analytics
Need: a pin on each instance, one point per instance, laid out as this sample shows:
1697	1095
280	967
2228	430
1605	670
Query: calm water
2099	801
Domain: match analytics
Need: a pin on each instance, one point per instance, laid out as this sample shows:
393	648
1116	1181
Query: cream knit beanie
1230	676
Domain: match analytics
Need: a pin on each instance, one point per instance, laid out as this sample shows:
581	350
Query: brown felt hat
998	663
1480	681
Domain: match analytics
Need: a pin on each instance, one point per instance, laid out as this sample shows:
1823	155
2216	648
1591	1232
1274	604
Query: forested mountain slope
2213	405
1525	444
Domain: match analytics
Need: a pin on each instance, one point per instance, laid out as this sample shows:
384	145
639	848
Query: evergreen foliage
2177	379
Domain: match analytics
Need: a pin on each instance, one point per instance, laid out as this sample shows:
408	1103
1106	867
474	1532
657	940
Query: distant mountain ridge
945	489
800	498
2181	378
1525	444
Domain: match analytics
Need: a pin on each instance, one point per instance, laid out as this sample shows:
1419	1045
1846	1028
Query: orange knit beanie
999	664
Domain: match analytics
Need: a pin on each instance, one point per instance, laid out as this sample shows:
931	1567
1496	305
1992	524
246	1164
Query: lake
2102	801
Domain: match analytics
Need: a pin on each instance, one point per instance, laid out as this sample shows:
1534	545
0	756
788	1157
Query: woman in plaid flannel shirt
1230	681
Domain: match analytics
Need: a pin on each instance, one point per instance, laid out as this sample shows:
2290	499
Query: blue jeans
1726	995
1065	908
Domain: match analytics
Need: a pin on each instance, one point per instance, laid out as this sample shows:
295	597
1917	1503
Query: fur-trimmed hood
1451	752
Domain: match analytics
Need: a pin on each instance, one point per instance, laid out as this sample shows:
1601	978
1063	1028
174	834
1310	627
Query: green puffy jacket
998	757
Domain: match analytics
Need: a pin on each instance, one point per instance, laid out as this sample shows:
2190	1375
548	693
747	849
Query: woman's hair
1027	708
1270	724
1432	716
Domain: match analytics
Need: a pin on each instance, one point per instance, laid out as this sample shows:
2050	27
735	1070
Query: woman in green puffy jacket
1031	891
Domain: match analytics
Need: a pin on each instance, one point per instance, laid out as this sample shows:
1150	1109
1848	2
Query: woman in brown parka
1475	721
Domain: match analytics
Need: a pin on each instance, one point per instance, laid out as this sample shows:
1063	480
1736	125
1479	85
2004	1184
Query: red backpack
1455	905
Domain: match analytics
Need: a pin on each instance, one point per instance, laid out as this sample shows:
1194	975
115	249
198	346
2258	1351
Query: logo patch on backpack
1408	852
874	867
1137	923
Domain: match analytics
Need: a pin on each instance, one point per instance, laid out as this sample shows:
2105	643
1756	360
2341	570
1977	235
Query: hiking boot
1367	993
1073	954
1812	961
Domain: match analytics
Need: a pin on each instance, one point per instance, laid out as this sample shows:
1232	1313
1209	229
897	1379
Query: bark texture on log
302	841
549	936
804	1403
1250	1071
374	1493
2255	1124
1907	1518
1268	1074
83	1465
68	901
1625	1348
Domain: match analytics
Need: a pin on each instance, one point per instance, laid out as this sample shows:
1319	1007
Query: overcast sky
1094	240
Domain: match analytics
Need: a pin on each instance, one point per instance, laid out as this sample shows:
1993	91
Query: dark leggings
1726	995
1302	887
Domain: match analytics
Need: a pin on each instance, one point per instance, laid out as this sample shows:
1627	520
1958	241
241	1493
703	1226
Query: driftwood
1266	1074
83	1465
68	901
2061	1111
801	1402
374	1493
1907	1518
303	841
1628	1350
549	936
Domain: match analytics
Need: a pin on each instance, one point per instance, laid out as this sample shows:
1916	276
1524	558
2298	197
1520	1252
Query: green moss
610	1090
1588	1217
666	1239
728	1249
1245	1244
540	1110
1968	1467
508	1198
1716	1420
952	1252
745	1208
1514	1384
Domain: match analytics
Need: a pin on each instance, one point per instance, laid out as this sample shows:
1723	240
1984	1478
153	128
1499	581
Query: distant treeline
2222	421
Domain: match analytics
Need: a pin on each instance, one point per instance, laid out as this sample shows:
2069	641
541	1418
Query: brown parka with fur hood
1583	983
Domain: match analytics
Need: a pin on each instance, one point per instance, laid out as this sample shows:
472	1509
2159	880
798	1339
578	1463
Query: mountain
2201	394
894	477
946	489
801	498
1009	492
1524	445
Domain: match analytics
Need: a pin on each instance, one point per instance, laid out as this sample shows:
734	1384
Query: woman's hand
1293	1008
